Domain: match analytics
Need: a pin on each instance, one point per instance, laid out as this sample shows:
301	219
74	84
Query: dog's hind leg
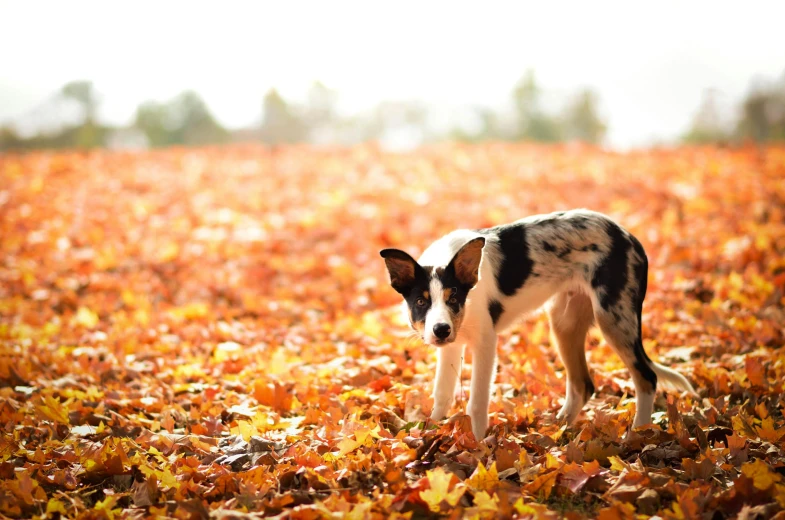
570	314
619	286
629	347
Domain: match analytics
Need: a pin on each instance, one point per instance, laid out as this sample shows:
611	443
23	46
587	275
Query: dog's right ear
402	268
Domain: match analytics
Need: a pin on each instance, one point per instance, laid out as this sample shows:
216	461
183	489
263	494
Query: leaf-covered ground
210	332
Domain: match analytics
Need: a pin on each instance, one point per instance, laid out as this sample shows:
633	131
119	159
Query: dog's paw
441	407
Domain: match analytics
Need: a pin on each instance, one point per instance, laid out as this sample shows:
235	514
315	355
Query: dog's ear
402	268
466	261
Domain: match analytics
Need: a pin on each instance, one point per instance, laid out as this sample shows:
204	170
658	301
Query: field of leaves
210	332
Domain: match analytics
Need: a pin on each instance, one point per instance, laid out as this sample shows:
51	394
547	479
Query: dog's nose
441	330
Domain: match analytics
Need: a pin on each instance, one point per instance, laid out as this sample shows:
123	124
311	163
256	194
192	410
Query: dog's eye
420	302
453	299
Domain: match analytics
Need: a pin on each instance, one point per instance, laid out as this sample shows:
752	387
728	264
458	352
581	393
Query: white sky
649	61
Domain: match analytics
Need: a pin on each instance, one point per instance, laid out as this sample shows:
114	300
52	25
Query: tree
89	134
763	113
151	120
280	122
532	122
193	122
320	114
582	121
183	120
707	125
83	93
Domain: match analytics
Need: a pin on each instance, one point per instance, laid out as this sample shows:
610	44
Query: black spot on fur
590	247
495	309
579	222
643	363
611	275
417	291
516	266
641	272
549	247
564	253
449	280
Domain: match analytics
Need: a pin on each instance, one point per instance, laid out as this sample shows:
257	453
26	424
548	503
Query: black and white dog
471	284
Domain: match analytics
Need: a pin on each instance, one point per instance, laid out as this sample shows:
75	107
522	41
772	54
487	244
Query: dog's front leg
483	372
448	368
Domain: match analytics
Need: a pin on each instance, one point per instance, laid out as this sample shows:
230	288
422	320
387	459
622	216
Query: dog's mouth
436	342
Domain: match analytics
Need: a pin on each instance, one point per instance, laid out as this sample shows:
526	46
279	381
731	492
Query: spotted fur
581	265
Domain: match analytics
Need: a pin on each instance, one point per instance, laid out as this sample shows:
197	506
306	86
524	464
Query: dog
583	267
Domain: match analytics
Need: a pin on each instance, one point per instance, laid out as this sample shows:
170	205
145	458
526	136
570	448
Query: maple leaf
573	477
756	371
543	484
486	502
55	506
86	318
619	511
52	409
156	319
761	474
107	506
483	479
767	431
439	490
703	470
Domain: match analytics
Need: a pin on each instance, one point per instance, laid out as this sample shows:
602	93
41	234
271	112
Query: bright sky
649	61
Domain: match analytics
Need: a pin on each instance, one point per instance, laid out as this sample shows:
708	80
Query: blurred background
618	74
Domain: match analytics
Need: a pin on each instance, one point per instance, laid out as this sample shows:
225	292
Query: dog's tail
669	378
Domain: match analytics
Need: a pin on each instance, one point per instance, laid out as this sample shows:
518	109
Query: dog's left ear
466	261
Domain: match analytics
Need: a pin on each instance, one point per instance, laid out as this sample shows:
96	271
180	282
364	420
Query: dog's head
435	296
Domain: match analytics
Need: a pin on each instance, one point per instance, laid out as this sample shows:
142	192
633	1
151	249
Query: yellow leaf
439	482
107	506
360	511
624	511
53	410
55	506
760	473
86	318
552	462
167	478
484	479
347	445
767	431
169	252
363	434
485	502
779	494
191	311
532	509
542	485
618	464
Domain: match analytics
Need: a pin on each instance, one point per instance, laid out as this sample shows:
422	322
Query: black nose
441	330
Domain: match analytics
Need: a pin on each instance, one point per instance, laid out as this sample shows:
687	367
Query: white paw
440	408
479	422
568	413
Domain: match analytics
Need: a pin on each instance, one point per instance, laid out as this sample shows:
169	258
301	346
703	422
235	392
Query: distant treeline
187	120
760	118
